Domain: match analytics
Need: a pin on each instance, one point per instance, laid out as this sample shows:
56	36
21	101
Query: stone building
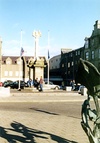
92	46
69	64
15	68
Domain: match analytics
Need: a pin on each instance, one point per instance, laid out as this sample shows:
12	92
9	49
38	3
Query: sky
67	22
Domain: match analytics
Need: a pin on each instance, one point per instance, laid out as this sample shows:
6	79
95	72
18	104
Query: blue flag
21	52
48	55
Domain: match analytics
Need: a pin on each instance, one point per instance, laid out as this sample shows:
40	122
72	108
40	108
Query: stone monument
37	64
89	76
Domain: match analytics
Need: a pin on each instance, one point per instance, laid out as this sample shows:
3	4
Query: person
36	83
41	84
72	84
29	82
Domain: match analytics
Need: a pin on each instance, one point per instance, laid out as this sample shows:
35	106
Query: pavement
39	127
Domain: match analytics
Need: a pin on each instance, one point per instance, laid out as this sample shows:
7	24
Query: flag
48	55
21	52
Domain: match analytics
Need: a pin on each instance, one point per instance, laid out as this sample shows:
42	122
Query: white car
50	86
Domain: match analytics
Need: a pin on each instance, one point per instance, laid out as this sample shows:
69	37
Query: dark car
17	85
7	83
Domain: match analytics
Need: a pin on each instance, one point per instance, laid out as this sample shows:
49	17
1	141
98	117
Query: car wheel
22	87
56	88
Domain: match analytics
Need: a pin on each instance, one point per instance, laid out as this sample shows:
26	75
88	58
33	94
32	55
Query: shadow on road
23	134
39	110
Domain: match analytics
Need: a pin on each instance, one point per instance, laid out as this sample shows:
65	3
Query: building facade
90	51
92	46
54	68
69	64
15	68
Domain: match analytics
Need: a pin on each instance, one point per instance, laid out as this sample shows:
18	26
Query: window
99	53
21	73
71	54
78	52
76	62
86	44
68	65
62	65
8	62
18	62
10	73
92	56
6	73
87	55
92	42
17	73
68	72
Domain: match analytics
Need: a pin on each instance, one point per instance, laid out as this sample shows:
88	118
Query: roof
14	58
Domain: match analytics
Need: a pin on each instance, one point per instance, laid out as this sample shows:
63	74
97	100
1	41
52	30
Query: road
51	116
67	109
40	122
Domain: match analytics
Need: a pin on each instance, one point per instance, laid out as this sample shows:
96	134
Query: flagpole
19	88
48	55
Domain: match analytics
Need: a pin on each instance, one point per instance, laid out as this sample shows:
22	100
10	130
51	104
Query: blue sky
68	22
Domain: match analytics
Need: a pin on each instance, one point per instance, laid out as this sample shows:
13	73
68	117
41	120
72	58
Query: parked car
50	85
7	83
16	84
1	83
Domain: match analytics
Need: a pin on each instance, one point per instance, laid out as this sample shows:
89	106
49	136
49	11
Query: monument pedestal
37	67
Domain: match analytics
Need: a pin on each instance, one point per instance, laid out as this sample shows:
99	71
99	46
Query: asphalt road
59	108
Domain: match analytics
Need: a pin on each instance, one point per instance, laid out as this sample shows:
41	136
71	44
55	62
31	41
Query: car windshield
51	83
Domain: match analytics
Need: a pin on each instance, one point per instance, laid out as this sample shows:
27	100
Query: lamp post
19	88
36	35
48	56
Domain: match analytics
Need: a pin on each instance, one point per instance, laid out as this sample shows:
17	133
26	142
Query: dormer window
18	62
86	43
92	56
87	55
8	62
